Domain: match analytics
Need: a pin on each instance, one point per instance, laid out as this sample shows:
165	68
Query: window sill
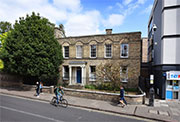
93	57
107	57
124	57
92	80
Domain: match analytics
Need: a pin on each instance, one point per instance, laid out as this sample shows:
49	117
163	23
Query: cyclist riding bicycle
59	93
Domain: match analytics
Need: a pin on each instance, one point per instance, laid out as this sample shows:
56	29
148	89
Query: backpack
55	90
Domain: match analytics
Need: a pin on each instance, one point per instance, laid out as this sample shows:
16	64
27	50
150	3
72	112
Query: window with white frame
124	73
78	51
124	50
108	50
93	51
66	51
65	73
92	73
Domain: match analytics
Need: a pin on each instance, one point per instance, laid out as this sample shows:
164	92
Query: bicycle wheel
64	103
53	101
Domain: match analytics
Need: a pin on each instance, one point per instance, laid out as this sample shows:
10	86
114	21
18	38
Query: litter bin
151	96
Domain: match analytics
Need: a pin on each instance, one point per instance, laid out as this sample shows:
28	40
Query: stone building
59	31
145	50
82	55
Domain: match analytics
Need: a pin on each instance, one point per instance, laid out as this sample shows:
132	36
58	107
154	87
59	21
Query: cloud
71	13
114	20
141	1
72	5
133	6
12	10
126	2
84	24
147	10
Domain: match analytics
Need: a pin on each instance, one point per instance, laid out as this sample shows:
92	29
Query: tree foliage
32	50
2	40
112	72
5	27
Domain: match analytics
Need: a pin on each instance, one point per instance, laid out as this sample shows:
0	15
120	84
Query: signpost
151	91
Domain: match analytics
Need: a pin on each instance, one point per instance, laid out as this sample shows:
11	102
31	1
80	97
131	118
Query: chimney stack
108	31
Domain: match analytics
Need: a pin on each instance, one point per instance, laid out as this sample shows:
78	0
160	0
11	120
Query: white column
83	75
70	75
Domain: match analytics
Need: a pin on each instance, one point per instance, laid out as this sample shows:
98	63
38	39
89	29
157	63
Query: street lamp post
151	90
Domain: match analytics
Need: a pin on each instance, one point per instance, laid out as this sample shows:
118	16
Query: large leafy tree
3	36
5	27
31	49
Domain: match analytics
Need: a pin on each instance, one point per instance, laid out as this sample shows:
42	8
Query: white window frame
125	80
80	53
65	52
91	52
64	78
92	77
105	51
121	51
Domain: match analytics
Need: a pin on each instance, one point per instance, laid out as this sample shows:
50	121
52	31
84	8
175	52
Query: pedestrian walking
122	99
41	86
37	89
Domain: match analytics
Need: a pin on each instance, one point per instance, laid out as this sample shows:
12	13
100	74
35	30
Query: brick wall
8	80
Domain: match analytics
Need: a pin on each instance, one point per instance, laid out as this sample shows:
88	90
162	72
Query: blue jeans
58	96
37	91
122	98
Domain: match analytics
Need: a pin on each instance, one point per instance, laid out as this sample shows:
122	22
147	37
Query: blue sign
175	76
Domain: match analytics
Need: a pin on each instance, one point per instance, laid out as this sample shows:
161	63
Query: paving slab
153	111
163	113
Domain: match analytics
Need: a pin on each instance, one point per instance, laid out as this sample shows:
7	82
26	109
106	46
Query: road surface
15	109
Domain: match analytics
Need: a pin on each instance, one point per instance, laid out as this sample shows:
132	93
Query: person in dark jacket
122	99
37	89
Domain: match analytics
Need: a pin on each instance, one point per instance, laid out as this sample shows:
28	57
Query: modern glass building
164	48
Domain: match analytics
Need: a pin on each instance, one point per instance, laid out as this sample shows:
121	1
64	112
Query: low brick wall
8	80
46	89
113	97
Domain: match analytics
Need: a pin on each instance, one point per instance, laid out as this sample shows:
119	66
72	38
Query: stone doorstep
159	112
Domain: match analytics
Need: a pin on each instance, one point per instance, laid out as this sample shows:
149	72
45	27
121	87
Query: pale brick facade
77	70
144	50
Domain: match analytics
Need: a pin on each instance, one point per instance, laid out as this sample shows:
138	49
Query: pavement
168	111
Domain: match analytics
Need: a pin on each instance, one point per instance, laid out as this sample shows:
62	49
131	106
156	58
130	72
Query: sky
84	17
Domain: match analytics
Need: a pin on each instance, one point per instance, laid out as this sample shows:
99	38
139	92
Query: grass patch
108	87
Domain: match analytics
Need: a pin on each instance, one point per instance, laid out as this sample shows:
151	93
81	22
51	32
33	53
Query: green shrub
91	86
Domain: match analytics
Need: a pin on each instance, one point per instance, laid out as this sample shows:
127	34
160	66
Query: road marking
28	113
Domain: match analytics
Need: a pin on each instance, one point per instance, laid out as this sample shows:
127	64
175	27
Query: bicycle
63	102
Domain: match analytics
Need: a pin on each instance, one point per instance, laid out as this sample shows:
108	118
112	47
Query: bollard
151	96
143	98
51	89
